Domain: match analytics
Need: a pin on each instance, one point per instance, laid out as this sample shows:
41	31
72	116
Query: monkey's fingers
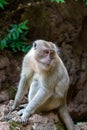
24	120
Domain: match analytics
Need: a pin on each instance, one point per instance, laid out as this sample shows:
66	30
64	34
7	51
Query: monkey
46	78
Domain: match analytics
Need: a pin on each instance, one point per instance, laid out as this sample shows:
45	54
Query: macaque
45	76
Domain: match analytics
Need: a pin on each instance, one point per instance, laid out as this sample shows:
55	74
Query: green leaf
1	6
58	1
16	38
17	34
9	36
23	35
23	25
3	44
19	45
4	2
20	30
12	46
26	48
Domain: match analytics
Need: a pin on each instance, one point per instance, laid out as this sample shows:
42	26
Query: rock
81	126
4	96
4	110
49	118
4	126
65	24
2	76
46	121
9	71
77	68
4	62
62	21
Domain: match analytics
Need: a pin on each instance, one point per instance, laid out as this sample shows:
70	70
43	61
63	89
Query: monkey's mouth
45	64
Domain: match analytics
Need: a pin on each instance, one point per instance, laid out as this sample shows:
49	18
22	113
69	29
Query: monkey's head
45	53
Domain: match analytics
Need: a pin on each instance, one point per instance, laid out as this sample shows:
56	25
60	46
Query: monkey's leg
64	114
52	103
22	107
20	112
33	90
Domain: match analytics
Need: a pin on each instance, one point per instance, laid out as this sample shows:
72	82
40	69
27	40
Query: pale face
45	53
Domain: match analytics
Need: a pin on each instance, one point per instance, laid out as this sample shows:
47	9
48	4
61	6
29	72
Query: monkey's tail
65	117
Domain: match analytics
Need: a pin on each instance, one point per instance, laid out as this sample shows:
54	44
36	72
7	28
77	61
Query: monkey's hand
14	106
24	118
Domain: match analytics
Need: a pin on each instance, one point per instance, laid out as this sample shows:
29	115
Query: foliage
3	3
58	1
15	125
60	126
16	38
62	1
85	1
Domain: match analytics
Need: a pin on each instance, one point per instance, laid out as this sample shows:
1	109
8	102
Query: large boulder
66	25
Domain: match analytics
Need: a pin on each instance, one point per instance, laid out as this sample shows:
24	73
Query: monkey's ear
34	45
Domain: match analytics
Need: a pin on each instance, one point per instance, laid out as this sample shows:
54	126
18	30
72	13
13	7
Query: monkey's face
45	54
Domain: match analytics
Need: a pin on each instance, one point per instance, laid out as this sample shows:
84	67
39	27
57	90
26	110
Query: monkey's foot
23	105
20	112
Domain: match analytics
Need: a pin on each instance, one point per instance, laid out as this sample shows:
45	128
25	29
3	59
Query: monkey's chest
38	81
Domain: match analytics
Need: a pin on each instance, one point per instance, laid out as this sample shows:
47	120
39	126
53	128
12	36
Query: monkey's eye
46	52
34	45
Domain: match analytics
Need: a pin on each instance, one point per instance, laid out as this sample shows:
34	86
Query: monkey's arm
24	82
22	88
41	96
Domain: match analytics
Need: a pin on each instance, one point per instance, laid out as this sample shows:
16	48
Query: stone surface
46	121
82	126
9	74
77	68
4	126
4	96
59	22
